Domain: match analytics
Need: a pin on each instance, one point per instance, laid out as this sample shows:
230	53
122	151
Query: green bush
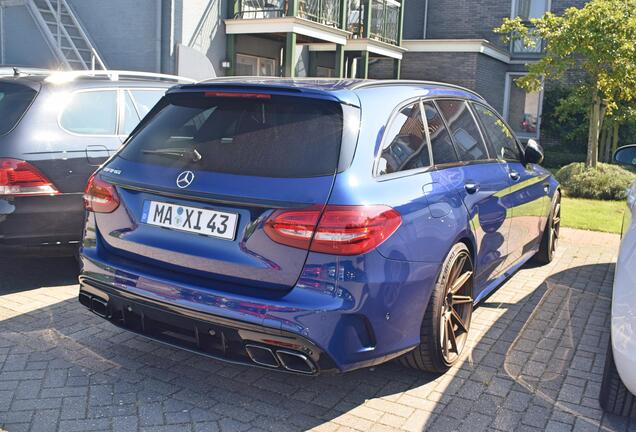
606	182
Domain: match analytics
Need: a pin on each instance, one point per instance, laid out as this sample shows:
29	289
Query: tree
598	40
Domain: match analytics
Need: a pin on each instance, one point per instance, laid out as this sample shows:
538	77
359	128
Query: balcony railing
321	11
385	20
518	47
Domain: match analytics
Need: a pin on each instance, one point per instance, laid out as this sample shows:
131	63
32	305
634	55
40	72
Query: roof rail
113	75
372	83
22	71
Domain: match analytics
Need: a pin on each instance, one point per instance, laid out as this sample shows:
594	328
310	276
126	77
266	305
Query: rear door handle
546	188
471	188
514	175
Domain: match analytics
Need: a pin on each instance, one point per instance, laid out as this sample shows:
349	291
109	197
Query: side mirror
533	152
626	155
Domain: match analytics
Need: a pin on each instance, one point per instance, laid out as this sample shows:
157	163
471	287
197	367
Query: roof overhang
287	25
481	46
371	45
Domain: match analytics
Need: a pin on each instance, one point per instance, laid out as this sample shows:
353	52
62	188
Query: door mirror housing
533	152
626	155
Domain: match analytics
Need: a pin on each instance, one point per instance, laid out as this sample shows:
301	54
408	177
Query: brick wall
491	80
458	19
454	68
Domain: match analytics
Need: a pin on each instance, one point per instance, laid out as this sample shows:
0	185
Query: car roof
37	78
343	90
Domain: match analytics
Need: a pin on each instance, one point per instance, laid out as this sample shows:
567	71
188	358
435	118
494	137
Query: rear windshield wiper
177	153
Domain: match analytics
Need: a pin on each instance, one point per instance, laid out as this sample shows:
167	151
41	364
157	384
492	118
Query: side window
405	145
145	100
501	139
131	119
464	130
91	113
441	143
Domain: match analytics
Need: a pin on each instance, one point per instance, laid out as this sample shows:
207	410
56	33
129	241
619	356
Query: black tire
551	232
614	396
451	304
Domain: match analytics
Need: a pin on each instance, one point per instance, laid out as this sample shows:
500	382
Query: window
466	135
131	119
281	136
527	9
14	101
441	143
522	109
405	145
503	144
91	113
145	100
247	65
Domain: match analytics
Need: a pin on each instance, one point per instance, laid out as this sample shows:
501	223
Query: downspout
2	35
167	36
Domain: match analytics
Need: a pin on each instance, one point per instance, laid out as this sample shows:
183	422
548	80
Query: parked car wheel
550	239
447	319
615	398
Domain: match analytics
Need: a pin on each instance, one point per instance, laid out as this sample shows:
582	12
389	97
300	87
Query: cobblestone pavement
535	362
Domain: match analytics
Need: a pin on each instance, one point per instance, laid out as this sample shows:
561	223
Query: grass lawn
592	215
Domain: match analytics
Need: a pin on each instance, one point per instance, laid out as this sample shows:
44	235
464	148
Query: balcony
519	49
385	21
326	12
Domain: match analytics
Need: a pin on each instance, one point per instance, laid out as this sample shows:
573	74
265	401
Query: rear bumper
40	221
220	338
362	313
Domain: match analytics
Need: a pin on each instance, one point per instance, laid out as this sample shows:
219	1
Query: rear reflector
18	178
239	95
100	196
341	230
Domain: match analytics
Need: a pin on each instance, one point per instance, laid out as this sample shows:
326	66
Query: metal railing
322	11
325	12
65	34
385	21
518	47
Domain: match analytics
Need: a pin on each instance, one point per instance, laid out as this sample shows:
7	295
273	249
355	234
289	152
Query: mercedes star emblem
185	179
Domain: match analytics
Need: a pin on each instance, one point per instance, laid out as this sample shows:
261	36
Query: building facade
204	38
453	41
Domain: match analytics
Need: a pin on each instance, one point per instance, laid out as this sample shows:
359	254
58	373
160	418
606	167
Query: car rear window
268	135
14	101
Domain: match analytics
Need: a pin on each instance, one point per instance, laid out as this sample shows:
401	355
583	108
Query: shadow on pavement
22	274
533	361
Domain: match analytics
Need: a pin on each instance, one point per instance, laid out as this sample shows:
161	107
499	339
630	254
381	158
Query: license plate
191	219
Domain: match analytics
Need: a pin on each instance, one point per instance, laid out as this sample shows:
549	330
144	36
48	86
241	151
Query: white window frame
510	76
258	62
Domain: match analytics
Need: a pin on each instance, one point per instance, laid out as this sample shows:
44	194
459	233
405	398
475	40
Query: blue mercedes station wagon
314	225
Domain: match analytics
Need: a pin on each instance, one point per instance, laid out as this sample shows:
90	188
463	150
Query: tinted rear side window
277	136
466	135
14	101
405	147
91	113
441	143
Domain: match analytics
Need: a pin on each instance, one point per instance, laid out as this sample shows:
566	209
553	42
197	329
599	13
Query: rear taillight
100	196
19	178
341	230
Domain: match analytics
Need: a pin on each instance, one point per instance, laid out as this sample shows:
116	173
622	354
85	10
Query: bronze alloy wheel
446	320
457	307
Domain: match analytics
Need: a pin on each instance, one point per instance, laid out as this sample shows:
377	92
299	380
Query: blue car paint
359	310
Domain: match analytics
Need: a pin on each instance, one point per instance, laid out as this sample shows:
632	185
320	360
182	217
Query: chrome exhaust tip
296	362
262	356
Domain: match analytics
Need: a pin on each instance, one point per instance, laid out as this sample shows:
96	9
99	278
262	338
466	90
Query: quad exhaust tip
295	362
262	356
288	360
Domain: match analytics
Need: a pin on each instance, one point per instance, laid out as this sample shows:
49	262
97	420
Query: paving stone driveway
535	362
